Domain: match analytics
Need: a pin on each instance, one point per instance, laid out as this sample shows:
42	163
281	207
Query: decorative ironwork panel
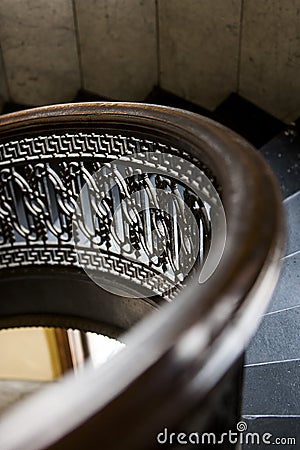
40	181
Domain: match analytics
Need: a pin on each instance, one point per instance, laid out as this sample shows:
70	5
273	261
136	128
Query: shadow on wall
198	50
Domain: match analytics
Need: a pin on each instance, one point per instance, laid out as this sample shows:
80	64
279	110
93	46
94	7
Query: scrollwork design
40	180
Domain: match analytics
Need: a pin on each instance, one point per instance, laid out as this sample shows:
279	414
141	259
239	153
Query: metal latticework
40	180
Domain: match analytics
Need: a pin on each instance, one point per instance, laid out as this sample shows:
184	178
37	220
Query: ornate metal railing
41	178
61	218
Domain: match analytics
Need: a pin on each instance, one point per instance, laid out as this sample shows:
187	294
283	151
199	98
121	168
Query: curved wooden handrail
177	355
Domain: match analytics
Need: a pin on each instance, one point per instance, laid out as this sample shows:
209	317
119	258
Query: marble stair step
292	207
283	155
272	389
272	373
277	339
287	291
277	426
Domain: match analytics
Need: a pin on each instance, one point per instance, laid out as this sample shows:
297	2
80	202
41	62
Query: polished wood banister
179	355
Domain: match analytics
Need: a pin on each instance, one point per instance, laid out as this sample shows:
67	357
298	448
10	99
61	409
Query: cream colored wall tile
118	47
270	56
26	354
199	48
3	86
39	50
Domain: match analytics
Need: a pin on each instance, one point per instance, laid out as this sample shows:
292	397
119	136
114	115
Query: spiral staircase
201	51
272	354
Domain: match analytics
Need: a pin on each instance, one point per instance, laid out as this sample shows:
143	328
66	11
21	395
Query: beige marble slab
270	56
39	50
199	48
4	95
118	47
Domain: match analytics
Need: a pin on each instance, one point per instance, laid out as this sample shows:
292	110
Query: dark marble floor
271	400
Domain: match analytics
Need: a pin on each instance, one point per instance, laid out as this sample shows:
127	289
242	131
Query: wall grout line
290	255
280	416
281	310
158	43
290	197
238	75
6	85
77	37
266	363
